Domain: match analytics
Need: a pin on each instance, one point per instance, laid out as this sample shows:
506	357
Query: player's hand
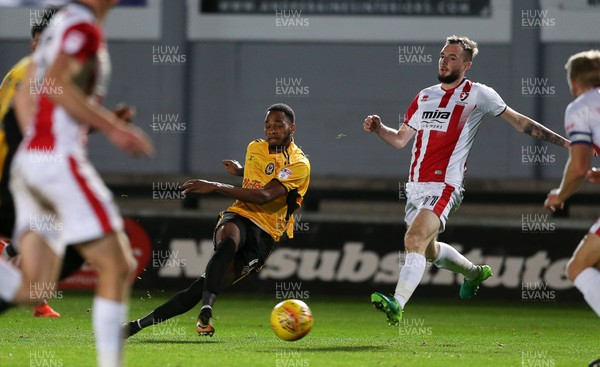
125	112
552	202
232	166
372	123
593	175
198	186
131	139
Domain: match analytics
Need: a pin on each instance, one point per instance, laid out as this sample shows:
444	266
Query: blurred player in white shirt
445	119
59	198
582	124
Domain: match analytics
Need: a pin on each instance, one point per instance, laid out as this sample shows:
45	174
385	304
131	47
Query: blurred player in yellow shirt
276	177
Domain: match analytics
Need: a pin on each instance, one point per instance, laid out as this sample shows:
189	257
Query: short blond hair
584	68
469	46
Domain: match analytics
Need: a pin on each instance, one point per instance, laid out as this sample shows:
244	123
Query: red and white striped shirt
74	31
446	122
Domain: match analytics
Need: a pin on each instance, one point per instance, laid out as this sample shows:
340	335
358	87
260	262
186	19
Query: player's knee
414	242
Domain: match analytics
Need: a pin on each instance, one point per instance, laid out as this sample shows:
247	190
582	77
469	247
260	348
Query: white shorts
62	198
438	197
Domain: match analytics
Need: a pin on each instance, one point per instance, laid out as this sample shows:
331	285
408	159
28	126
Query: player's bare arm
63	70
532	128
272	190
580	157
233	167
398	138
25	102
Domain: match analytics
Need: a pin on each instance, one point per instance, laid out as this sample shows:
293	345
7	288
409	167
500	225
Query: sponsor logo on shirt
435	120
284	173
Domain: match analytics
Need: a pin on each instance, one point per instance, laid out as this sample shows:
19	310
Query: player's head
39	26
280	124
100	7
456	58
583	71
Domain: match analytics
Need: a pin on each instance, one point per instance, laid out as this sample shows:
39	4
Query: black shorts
255	244
12	139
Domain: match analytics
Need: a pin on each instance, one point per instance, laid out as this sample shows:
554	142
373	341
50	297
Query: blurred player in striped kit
582	124
60	199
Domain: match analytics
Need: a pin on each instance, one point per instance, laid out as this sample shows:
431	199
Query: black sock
180	303
4	305
216	271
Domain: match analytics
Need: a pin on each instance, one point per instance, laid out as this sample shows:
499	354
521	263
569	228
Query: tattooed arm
530	127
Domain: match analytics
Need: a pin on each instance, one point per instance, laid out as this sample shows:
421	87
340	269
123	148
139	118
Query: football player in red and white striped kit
60	199
444	120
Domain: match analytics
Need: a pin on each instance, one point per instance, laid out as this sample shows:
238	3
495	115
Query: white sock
108	319
410	276
10	281
588	283
452	260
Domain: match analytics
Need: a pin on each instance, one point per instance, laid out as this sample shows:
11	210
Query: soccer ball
291	319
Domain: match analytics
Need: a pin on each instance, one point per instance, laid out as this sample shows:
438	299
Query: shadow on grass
172	341
337	348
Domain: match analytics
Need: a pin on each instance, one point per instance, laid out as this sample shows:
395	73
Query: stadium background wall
231	81
354	257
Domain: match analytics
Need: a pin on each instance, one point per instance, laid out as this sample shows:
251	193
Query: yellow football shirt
8	88
292	169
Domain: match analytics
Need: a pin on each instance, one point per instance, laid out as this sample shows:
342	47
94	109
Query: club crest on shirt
270	168
284	173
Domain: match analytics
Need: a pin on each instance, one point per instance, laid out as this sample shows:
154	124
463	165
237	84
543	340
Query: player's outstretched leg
180	303
388	305
219	274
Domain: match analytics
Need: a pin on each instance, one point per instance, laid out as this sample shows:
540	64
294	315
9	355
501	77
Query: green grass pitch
347	332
